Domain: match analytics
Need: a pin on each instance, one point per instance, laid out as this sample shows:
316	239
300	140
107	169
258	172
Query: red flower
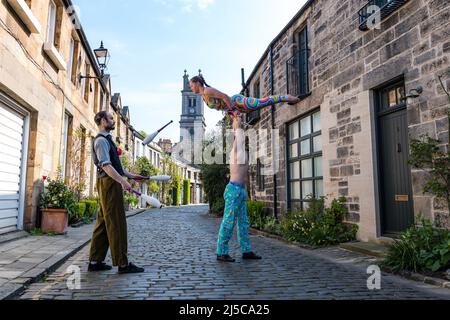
120	152
44	178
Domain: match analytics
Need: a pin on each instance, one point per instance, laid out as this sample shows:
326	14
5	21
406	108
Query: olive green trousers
111	228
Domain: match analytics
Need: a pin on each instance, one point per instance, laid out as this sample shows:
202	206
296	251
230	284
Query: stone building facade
43	102
350	135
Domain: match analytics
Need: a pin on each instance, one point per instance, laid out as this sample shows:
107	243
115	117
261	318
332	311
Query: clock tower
192	124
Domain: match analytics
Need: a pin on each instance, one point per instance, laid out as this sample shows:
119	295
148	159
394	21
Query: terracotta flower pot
55	220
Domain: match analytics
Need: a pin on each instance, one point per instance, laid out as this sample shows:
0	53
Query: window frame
312	155
259	176
51	22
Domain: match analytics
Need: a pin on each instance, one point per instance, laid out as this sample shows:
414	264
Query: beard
111	127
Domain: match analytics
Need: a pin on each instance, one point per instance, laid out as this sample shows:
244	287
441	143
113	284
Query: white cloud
187	5
203	4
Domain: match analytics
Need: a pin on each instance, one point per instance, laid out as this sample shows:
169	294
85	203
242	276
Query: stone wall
345	65
28	76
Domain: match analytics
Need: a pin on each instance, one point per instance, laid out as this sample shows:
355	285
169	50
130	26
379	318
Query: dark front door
395	173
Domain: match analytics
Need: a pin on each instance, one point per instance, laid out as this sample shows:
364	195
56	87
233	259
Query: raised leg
246	104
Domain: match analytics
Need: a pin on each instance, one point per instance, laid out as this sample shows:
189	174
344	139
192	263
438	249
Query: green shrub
176	191
272	226
91	207
131	200
421	247
58	196
169	200
79	213
257	214
186	192
218	207
215	178
318	225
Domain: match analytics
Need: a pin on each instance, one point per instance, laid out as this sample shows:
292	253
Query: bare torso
238	168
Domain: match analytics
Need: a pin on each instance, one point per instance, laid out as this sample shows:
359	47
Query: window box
26	15
55	56
386	8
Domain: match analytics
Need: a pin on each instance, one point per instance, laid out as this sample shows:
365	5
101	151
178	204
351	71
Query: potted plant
57	202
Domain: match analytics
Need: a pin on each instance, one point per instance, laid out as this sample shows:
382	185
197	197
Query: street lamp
102	56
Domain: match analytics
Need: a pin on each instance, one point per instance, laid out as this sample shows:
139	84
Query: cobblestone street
177	248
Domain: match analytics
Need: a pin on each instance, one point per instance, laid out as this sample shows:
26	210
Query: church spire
186	81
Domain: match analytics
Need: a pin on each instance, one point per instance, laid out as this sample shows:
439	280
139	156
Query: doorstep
373	249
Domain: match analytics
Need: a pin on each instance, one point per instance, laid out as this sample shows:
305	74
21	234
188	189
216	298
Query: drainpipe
275	194
245	93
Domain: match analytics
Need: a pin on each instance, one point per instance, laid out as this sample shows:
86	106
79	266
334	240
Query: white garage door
12	147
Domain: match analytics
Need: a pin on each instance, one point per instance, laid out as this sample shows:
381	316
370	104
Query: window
23	10
118	125
51	46
102	101
86	81
386	7
259	176
305	171
51	23
82	172
391	97
96	97
64	147
71	58
298	67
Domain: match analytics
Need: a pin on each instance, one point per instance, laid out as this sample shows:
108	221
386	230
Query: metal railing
385	8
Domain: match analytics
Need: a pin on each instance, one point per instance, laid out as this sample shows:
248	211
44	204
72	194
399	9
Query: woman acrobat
217	100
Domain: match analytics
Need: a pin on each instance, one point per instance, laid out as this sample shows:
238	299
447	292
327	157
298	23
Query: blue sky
152	42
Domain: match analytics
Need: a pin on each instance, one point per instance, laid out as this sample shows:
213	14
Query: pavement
177	248
25	259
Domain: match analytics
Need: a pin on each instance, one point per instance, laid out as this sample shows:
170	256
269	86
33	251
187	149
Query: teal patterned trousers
235	214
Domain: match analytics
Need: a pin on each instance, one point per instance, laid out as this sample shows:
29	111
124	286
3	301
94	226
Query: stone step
378	250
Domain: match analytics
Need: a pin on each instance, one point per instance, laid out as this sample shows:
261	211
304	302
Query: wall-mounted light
413	93
102	56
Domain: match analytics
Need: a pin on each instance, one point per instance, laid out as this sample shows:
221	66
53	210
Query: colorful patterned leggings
246	104
235	213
